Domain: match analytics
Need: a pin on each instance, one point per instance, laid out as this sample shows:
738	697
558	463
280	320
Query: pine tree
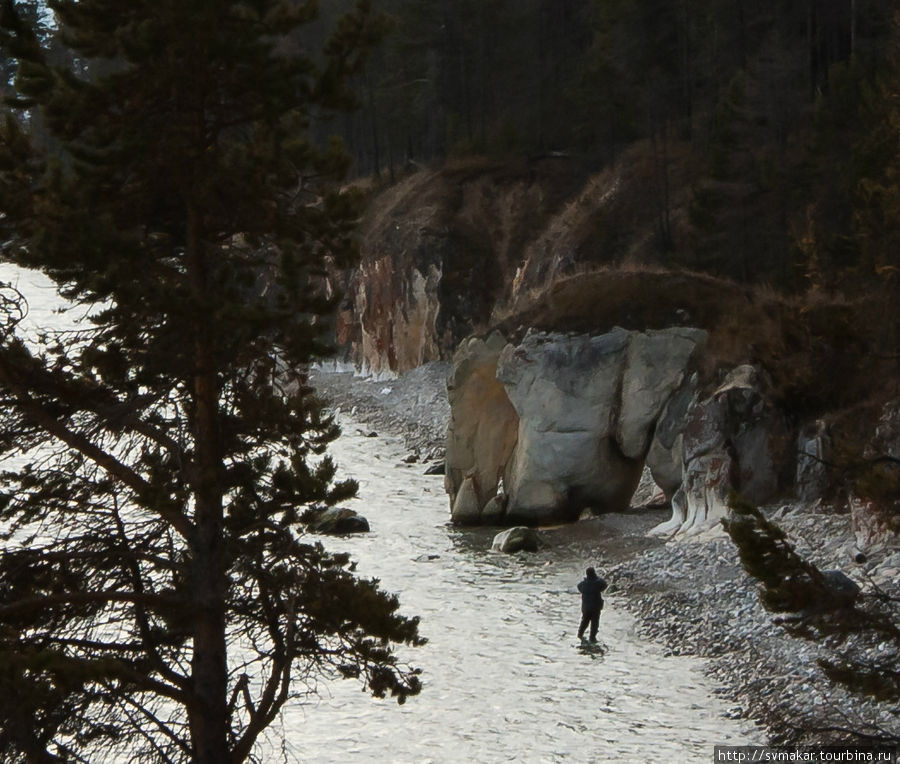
156	595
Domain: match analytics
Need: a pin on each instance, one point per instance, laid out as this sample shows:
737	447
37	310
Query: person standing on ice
591	603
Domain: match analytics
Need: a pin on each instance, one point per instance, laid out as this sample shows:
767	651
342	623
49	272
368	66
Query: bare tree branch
40	416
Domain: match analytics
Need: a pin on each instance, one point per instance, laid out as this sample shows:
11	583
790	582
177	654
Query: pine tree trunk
373	115
812	41
742	34
209	712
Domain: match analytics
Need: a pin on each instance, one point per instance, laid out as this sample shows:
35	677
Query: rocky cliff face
546	427
732	440
481	434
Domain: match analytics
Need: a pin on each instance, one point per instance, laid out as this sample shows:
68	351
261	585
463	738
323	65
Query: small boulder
436	469
517	539
336	521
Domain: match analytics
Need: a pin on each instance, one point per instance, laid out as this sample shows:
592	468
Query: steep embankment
448	252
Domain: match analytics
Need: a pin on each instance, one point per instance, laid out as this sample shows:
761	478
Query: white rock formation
578	420
566	392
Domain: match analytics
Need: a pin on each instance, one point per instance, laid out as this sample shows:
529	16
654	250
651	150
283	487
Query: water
45	307
504	676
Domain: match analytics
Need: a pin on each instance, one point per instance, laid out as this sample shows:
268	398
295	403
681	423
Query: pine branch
140	613
47	421
87	598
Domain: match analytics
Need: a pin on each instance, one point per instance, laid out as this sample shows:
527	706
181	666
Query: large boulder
565	391
655	366
565	421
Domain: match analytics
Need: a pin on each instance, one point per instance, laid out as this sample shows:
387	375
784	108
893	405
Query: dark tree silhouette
156	594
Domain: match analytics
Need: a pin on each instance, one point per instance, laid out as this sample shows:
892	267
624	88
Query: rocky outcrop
543	429
566	392
482	429
665	459
812	479
439	248
398	312
734	440
565	421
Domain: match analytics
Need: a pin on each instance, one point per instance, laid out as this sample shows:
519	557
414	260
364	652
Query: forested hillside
765	130
775	121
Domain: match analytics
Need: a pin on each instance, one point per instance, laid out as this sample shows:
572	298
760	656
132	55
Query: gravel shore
413	406
692	595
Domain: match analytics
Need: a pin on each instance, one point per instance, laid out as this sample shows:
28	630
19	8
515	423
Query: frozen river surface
505	678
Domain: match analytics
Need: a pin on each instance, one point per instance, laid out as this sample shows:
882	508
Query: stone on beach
336	521
517	539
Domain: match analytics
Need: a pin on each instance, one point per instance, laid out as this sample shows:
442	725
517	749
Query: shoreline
412	406
690	596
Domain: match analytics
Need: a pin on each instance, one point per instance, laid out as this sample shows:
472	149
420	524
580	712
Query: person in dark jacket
591	602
